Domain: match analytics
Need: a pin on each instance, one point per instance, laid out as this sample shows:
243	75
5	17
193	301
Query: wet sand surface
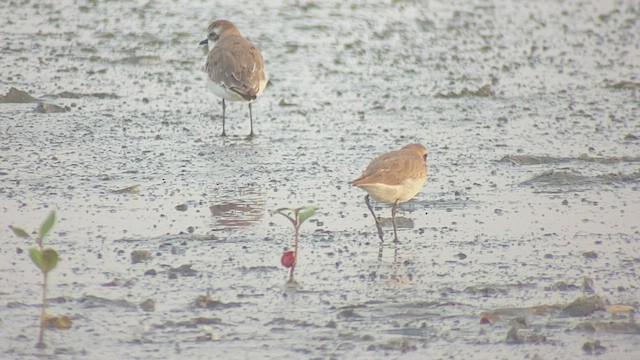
530	112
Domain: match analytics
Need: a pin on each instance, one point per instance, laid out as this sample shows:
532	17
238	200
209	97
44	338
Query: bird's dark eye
425	157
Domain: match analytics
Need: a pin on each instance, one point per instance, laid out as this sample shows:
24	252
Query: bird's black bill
203	42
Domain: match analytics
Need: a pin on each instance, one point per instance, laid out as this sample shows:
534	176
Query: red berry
288	259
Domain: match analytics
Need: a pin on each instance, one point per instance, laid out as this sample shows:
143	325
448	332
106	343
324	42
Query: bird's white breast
390	193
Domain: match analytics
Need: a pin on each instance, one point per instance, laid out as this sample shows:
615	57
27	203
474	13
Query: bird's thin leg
250	121
224	107
393	220
366	200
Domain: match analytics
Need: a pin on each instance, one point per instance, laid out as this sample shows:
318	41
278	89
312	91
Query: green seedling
296	217
46	260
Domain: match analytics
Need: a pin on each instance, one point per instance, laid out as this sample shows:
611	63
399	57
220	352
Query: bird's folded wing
392	169
238	65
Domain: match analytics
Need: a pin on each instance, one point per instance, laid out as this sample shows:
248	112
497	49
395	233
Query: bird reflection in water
245	210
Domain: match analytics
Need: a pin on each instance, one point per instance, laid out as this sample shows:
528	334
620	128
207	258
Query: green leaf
19	232
47	225
280	211
306	213
285	212
46	260
36	257
49	260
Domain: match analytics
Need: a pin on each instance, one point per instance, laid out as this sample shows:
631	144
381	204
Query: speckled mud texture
523	244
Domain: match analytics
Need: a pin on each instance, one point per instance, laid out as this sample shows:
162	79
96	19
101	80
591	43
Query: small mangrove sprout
46	260
296	217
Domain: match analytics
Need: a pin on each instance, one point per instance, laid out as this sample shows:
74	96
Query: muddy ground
530	111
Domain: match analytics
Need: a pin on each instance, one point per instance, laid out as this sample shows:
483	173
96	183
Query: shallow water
524	187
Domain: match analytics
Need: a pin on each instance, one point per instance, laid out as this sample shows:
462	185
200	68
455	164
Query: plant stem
295	251
45	277
296	228
41	344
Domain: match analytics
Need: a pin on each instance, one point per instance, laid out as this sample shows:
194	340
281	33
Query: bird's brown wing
393	168
237	64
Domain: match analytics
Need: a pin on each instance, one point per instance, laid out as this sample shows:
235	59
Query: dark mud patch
281	324
78	95
91	301
584	306
575	178
45	108
484	91
17	97
191	323
542	159
207	302
400	345
626	84
559	178
611	327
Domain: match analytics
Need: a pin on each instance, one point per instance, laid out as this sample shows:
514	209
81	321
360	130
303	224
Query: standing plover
393	178
234	65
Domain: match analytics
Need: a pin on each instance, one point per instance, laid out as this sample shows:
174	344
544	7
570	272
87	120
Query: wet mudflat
524	242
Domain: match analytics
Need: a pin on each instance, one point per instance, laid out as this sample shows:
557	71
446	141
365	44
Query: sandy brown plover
392	178
234	66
